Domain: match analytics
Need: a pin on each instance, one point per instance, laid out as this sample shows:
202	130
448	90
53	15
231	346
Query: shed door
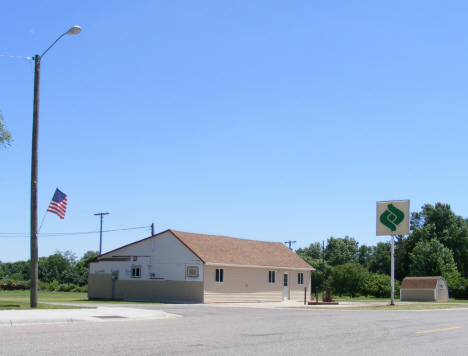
286	286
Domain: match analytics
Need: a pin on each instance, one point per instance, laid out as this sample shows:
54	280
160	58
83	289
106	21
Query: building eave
262	267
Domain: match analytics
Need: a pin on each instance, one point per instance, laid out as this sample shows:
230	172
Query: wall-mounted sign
393	217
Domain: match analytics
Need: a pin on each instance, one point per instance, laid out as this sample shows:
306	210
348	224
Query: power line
53	234
6	55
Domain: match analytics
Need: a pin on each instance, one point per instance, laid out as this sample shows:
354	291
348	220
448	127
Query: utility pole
34	178
34	169
100	241
290	242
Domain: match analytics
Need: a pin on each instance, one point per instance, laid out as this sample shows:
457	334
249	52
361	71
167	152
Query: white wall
164	256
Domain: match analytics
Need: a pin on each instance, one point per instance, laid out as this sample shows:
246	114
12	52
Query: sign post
393	218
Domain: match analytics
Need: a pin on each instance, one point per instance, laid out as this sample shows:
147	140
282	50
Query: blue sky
276	121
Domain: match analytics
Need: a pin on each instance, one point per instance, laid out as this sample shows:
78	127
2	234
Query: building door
286	286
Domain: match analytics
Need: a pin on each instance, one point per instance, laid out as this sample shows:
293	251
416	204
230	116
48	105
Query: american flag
58	205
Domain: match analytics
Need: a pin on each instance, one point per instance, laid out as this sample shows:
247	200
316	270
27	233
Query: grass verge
410	306
18	300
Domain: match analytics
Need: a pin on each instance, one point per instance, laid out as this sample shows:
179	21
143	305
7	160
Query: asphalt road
214	330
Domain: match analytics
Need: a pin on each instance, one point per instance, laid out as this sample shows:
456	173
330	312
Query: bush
379	285
77	289
457	286
17	278
66	287
348	279
53	285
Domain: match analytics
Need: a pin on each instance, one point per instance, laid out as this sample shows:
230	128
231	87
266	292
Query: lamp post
35	138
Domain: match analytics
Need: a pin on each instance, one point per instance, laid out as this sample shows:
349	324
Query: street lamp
35	137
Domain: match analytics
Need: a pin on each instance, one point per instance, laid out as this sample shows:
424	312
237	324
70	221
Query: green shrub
457	286
379	285
17	278
66	287
53	285
78	289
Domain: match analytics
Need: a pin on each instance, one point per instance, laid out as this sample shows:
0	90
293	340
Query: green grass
370	302
20	300
361	299
412	306
43	296
16	300
380	300
358	299
15	305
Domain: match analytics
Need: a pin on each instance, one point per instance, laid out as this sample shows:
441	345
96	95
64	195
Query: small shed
424	289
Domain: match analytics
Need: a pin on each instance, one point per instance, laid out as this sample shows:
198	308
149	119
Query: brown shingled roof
419	283
230	250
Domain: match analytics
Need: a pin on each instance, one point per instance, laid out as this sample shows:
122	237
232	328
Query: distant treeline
60	271
437	246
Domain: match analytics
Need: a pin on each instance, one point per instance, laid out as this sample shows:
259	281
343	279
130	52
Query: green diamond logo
392	217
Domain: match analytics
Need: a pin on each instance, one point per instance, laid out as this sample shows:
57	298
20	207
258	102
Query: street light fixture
35	138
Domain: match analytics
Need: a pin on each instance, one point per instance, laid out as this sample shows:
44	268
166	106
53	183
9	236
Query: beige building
424	289
175	266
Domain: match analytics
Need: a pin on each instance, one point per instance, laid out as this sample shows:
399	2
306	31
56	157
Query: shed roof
235	251
420	282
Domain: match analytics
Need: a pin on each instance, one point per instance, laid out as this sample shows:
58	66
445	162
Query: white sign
393	217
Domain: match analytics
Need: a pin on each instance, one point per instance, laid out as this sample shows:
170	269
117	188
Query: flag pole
42	223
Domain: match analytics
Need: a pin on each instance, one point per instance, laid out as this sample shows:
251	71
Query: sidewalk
116	312
96	315
99	313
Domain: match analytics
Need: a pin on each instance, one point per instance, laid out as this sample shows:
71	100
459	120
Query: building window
135	258
271	277
441	286
136	271
192	271
300	278
219	275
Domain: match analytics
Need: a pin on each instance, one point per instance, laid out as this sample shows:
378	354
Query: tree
5	135
61	267
70	257
379	285
440	222
88	255
341	251
381	258
401	258
348	279
365	255
314	251
458	286
313	256
432	258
